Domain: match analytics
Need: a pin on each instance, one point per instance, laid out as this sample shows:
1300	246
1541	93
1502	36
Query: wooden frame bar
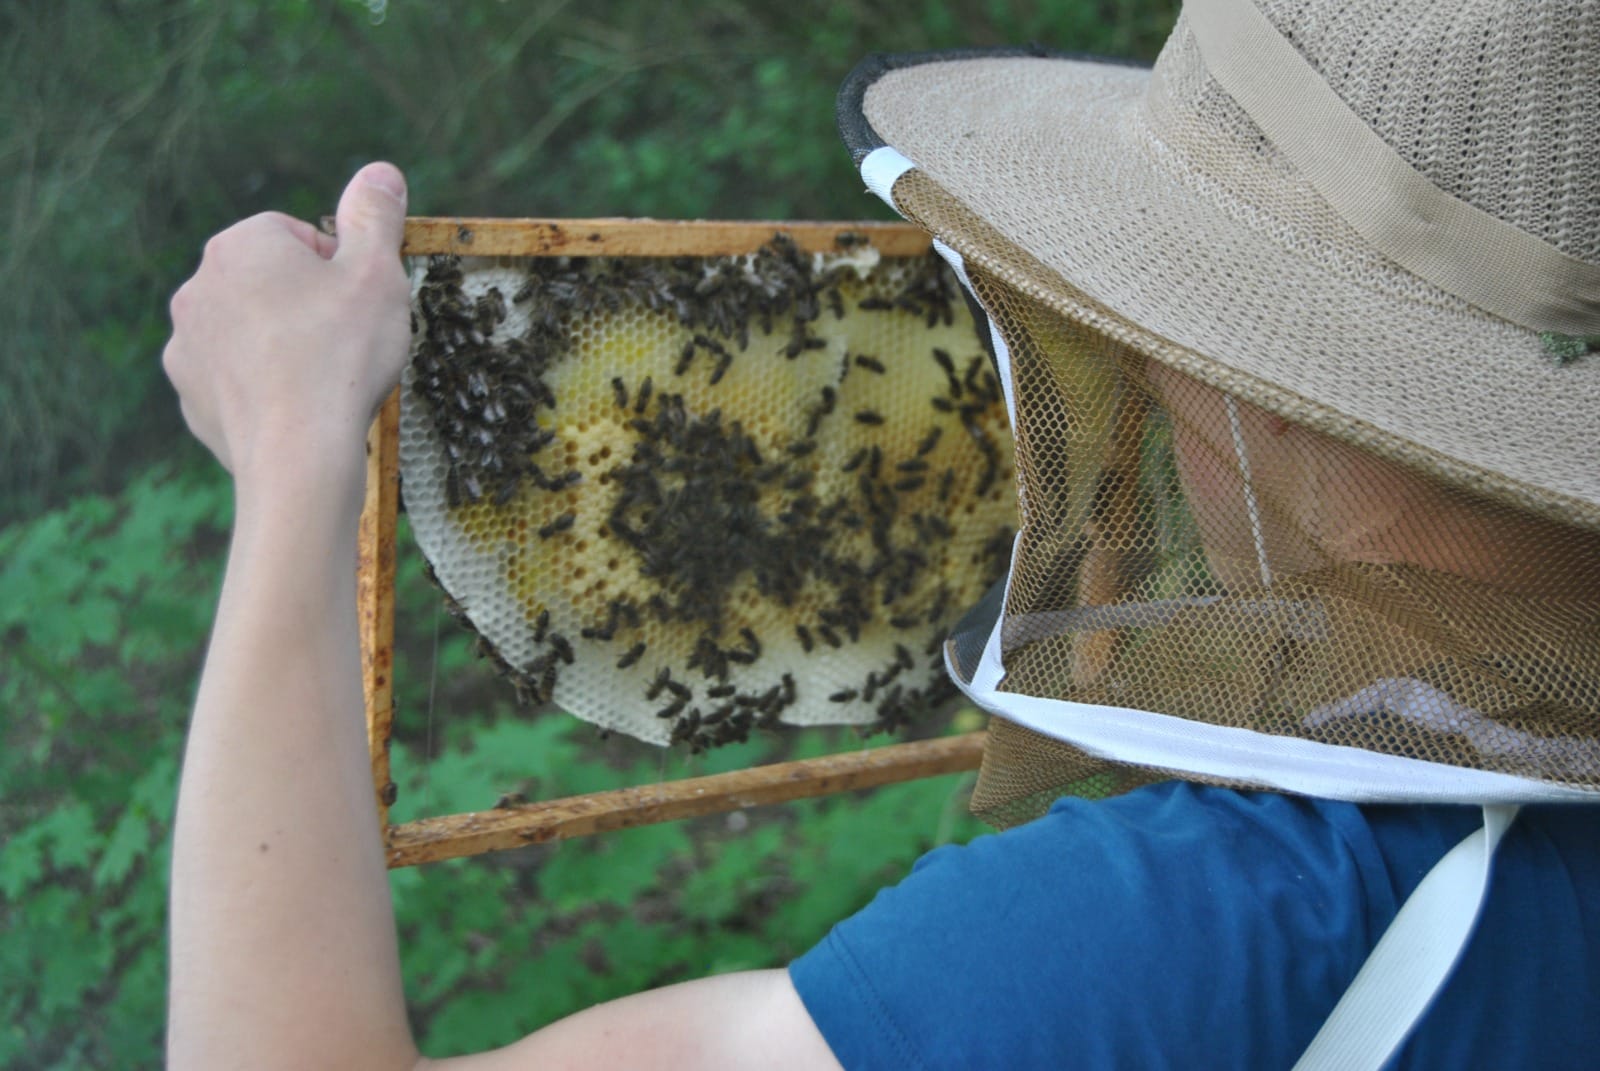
375	563
432	839
470	236
451	836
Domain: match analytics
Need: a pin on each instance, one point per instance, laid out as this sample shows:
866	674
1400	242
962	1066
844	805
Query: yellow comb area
682	499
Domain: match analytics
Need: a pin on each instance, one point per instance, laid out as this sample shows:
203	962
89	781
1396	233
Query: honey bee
561	524
871	364
685	357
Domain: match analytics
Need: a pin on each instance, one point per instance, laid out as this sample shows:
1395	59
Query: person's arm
283	947
283	942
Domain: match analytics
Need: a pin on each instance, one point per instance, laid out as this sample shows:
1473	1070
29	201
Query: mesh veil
1187	553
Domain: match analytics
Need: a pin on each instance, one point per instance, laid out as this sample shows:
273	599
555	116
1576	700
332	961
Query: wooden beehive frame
448	836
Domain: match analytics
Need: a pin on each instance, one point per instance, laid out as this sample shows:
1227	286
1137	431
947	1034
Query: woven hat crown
1370	218
1496	102
1454	149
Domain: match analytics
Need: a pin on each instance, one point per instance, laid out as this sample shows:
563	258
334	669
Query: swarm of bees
686	498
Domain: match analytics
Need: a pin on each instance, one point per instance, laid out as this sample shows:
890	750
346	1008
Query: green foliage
496	947
107	604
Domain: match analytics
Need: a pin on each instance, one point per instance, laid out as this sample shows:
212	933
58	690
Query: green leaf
98	618
130	838
610	870
155	792
104	692
77	963
742	871
21	862
71	832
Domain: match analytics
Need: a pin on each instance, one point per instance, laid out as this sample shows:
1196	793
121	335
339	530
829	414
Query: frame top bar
472	236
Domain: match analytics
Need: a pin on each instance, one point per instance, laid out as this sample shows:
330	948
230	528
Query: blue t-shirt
1187	926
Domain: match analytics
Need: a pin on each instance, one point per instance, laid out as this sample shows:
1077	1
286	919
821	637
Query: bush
108	604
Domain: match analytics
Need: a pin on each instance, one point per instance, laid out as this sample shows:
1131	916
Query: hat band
1460	249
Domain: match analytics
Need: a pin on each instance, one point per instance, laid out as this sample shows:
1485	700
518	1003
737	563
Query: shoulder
1109	933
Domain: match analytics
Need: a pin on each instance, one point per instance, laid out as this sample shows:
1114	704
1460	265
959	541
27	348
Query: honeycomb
683	499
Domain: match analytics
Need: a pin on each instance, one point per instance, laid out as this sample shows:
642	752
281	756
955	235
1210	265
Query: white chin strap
1413	959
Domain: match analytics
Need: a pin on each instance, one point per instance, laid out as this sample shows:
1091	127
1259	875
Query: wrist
305	488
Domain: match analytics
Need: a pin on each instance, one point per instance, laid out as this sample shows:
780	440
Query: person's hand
286	340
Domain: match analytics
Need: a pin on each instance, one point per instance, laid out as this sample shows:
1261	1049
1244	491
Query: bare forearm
283	940
283	943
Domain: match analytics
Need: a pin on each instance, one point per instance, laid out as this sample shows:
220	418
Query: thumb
372	213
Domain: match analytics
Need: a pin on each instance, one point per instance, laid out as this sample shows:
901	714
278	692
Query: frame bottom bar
429	840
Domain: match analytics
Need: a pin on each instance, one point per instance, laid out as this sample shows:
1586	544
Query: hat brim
1046	171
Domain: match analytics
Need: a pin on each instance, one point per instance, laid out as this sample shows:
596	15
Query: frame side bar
432	839
375	564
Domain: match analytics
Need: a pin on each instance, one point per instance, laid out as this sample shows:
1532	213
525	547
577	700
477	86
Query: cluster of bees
850	549
483	396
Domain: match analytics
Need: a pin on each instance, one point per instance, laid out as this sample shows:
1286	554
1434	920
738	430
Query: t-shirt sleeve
1173	926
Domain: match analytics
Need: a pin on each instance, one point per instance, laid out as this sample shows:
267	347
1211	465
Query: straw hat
1377	218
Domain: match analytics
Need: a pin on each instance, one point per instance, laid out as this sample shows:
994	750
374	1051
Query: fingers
372	214
323	245
288	335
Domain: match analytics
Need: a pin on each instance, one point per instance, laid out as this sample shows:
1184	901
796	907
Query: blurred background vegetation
130	130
